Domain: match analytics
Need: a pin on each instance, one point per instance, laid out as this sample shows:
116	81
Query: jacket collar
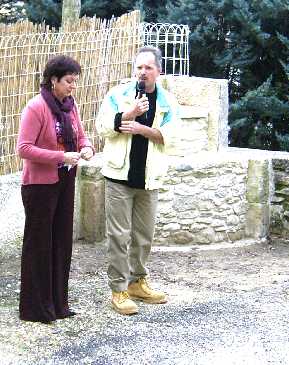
162	102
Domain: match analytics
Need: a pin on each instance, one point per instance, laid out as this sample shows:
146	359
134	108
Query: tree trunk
70	10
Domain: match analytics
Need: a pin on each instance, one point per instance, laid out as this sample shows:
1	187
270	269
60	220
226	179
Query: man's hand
131	127
140	106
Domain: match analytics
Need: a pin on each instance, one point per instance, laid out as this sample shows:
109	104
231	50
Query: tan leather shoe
122	304
140	290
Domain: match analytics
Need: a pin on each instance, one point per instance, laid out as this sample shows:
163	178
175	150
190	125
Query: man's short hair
156	52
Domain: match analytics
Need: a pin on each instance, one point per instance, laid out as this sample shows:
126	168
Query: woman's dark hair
59	66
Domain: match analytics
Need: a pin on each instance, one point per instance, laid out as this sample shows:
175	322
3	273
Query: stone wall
206	198
223	197
203	201
280	199
211	194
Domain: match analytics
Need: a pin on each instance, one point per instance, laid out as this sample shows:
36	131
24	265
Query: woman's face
64	86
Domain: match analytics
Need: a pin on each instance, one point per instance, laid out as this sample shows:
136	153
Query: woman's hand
71	158
86	153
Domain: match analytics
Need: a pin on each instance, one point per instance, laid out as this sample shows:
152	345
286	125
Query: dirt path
228	305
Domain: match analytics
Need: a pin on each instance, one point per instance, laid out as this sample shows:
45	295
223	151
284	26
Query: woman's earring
52	86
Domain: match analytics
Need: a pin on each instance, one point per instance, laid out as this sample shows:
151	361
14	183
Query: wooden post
70	10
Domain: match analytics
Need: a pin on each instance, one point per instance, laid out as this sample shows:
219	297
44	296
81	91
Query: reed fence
104	48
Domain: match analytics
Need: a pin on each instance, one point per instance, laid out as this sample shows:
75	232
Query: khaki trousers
130	217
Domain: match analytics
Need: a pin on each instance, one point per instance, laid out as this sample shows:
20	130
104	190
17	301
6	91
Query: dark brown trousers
47	247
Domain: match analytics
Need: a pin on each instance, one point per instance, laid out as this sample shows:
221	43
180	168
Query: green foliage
247	43
48	11
106	8
153	11
11	11
208	33
258	119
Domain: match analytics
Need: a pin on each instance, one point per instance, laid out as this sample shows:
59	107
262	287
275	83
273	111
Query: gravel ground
11	213
228	304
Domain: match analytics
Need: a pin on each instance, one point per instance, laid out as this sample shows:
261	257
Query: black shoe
68	314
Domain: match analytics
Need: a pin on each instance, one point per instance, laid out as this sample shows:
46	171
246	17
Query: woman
51	141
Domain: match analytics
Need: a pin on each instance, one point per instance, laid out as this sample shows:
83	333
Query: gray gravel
11	213
228	306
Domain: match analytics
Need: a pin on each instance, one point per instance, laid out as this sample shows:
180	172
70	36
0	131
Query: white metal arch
173	40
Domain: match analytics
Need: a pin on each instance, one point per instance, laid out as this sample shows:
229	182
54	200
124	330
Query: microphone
141	90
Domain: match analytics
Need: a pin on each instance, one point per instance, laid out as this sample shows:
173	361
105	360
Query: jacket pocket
115	150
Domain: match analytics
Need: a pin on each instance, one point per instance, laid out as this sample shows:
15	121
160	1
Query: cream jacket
117	145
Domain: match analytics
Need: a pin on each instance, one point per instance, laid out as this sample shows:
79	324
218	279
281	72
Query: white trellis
173	40
105	51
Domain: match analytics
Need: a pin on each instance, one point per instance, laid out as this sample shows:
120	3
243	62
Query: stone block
181	237
205	236
233	220
258	180
171	227
221	237
197	227
277	221
257	220
92	222
281	179
236	236
210	95
283	192
281	165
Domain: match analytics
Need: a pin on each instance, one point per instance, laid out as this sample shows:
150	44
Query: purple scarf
61	111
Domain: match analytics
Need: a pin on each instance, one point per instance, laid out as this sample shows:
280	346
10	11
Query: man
139	121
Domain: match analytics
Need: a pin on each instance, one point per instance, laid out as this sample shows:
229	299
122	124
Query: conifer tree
106	8
11	11
245	41
152	11
48	11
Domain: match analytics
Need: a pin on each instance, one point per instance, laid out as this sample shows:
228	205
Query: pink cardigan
37	143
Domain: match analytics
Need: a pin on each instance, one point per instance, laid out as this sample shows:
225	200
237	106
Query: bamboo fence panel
23	27
104	48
